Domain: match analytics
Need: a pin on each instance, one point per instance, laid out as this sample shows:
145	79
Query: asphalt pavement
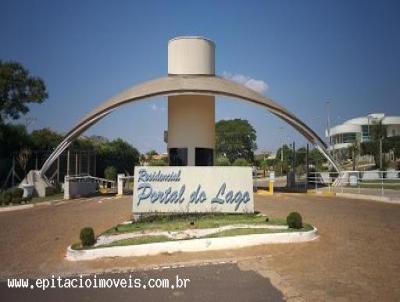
216	282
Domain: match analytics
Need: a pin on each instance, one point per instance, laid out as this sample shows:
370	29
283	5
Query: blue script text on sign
193	189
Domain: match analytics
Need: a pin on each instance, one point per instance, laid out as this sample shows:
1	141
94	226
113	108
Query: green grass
160	238
248	231
137	241
377	184
182	222
124	242
48	198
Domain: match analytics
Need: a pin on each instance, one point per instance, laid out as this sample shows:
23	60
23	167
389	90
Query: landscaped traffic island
158	234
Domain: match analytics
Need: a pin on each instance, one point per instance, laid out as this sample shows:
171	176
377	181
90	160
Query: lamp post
369	131
281	130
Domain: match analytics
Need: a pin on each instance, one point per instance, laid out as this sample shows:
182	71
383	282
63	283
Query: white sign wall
193	189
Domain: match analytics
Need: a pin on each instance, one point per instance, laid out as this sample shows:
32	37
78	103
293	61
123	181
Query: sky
312	57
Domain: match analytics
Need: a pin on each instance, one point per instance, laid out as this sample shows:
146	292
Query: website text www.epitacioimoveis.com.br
98	282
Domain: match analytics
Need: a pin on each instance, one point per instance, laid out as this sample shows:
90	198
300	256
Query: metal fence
358	182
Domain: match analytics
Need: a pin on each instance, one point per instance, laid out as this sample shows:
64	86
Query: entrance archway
180	85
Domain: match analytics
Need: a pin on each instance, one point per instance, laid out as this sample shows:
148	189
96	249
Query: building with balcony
358	130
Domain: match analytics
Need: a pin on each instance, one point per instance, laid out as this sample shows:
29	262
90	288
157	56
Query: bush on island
241	162
294	220
87	236
222	161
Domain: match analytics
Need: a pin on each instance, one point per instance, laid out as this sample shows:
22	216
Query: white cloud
154	107
257	85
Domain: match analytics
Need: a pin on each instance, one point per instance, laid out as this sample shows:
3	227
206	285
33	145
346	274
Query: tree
12	139
17	89
119	154
142	159
283	160
45	139
151	153
378	132
241	162
23	158
235	139
317	159
354	151
301	155
222	161
110	173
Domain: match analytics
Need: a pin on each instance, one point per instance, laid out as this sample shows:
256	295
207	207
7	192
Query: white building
359	130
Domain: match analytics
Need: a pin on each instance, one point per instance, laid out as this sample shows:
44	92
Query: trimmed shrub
241	162
7	197
27	199
294	220
87	236
17	194
222	161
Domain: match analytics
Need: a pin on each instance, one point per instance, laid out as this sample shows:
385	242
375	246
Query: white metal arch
186	84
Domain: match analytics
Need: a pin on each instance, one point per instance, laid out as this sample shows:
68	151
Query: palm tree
23	158
354	151
378	133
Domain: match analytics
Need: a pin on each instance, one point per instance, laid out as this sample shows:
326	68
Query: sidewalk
387	195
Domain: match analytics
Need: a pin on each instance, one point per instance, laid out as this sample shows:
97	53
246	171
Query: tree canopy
119	154
235	139
17	89
372	147
45	139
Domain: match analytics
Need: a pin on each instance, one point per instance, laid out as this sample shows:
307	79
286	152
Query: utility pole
76	163
94	165
380	155
68	162
328	122
13	172
307	165
294	158
281	131
58	170
80	163
88	163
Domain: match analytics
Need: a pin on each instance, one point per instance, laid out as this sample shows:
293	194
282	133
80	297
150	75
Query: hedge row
13	196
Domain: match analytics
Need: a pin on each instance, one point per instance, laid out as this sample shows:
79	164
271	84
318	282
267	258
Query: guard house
191	118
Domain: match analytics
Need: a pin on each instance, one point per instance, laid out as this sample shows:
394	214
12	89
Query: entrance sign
193	189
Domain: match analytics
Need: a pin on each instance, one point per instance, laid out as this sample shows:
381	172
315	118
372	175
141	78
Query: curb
54	202
16	208
369	197
191	245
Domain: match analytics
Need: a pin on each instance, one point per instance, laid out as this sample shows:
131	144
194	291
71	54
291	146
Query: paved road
356	258
207	283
